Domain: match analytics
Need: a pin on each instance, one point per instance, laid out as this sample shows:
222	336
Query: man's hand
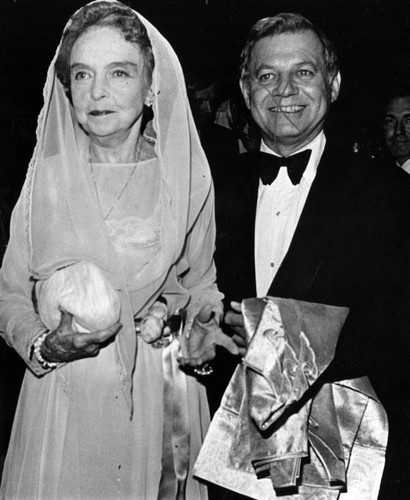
64	344
199	347
234	320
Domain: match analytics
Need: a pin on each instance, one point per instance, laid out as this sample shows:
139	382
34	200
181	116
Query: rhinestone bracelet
37	346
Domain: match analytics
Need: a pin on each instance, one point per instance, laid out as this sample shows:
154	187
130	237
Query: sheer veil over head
63	223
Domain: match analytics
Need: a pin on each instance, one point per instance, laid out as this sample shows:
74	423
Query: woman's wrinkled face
109	83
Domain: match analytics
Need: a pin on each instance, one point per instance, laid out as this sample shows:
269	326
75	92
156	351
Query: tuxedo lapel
301	274
312	242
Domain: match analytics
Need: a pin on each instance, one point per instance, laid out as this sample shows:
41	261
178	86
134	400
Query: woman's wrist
37	352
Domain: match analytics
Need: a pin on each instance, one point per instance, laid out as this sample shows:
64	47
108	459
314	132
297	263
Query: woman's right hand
65	344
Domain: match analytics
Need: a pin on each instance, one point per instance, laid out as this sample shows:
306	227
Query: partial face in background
201	101
396	127
288	91
109	84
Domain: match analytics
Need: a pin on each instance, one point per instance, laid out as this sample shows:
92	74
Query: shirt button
272	264
277	213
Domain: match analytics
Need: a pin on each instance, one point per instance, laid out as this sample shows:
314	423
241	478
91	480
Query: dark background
372	37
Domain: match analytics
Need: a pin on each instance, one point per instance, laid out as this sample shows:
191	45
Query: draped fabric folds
101	427
278	435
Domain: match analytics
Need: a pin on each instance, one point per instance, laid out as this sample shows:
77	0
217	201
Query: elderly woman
109	414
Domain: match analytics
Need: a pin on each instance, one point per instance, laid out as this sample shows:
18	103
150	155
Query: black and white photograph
205	250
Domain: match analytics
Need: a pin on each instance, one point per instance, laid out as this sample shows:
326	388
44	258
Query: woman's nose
99	88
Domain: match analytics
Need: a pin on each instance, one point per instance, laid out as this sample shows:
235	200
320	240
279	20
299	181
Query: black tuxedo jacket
351	248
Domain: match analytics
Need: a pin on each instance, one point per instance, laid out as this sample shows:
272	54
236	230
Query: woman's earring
149	100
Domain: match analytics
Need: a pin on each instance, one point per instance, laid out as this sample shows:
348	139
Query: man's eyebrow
314	66
297	64
262	67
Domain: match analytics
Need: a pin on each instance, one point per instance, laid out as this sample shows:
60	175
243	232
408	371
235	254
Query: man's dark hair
287	23
399	90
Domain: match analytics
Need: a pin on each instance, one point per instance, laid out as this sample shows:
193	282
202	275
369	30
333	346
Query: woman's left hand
65	344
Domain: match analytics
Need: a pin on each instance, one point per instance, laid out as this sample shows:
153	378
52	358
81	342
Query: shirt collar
405	166
317	145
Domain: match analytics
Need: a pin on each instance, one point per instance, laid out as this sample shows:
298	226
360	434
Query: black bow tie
269	166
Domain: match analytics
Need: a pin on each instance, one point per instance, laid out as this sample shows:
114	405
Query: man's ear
335	86
245	92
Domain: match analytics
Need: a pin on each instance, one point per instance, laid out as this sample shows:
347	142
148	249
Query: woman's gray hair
286	23
115	15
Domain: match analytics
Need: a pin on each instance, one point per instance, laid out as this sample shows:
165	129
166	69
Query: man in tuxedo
396	127
328	228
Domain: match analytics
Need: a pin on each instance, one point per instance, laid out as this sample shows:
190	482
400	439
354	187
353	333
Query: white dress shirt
277	214
405	166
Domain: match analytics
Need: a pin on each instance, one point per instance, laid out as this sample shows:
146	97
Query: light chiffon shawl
58	221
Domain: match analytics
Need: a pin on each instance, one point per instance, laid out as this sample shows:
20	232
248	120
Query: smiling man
288	88
308	220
